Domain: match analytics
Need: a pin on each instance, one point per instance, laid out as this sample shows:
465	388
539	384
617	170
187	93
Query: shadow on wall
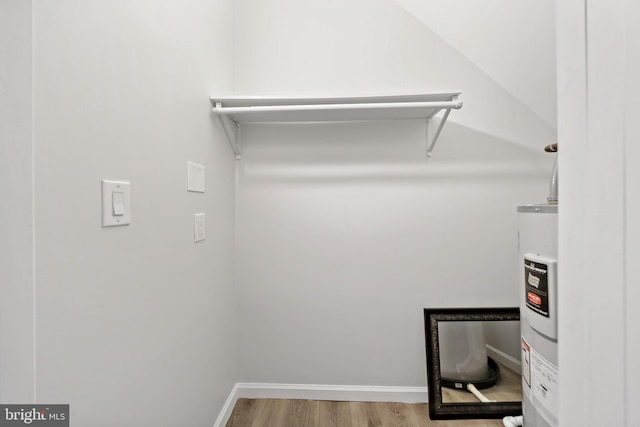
383	150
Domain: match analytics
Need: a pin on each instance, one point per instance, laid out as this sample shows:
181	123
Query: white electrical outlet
199	232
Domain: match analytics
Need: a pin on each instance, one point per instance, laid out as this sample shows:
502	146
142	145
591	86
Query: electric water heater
538	259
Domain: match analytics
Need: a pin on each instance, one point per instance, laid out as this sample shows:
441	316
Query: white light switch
195	177
116	203
198	227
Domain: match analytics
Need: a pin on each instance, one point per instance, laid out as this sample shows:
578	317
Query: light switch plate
116	203
199	232
195	177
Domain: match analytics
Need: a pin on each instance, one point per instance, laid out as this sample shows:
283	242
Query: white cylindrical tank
537	279
463	353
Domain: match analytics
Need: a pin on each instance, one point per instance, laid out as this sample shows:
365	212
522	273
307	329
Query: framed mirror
473	362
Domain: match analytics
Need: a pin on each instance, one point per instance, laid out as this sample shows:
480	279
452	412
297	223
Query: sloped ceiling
513	42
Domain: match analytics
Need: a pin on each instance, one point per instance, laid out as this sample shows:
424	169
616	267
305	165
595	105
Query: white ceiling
513	41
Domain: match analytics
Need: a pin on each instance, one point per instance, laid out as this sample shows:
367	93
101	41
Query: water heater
538	264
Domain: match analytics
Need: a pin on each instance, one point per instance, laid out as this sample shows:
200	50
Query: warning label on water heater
544	386
536	282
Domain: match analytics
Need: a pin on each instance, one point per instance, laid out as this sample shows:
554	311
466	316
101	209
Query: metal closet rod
316	107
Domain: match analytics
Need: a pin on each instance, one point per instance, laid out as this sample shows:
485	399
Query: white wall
632	211
135	324
345	231
512	41
598	245
16	210
370	47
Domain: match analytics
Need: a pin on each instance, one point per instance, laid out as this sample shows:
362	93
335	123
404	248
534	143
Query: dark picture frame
439	410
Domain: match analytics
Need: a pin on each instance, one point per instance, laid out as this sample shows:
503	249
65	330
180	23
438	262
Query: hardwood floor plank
303	413
280	415
334	414
317	413
243	413
418	416
391	414
359	415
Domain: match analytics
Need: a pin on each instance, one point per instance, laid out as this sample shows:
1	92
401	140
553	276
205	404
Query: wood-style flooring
320	413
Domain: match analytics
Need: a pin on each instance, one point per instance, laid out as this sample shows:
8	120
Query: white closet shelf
233	111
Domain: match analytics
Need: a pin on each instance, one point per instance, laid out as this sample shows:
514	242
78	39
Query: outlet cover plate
199	232
116	203
195	177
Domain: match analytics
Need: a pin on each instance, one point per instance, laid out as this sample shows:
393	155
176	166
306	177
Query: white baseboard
350	393
227	408
503	358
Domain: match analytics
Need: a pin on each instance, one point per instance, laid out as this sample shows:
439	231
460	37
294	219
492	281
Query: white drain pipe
481	397
512	421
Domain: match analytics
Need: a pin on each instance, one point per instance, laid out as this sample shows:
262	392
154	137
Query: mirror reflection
480	361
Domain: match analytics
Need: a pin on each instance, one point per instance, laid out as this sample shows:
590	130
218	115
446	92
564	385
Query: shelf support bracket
431	140
231	129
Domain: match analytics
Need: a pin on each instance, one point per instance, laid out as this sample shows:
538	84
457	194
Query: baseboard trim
227	408
350	393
